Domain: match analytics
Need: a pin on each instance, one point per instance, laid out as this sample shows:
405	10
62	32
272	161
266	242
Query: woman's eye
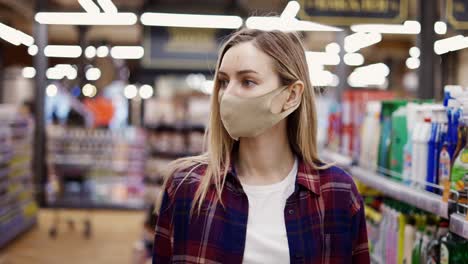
248	83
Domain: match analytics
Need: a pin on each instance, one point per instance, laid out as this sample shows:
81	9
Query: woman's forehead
246	56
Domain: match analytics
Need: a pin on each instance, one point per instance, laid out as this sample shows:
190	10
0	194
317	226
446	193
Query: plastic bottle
433	145
410	237
460	158
423	149
415	140
408	148
370	136
416	254
453	113
399	137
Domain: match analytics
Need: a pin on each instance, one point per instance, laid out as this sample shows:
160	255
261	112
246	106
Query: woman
260	194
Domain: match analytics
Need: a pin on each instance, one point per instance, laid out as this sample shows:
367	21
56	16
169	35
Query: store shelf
340	159
77	204
171	155
15	231
421	199
459	225
177	127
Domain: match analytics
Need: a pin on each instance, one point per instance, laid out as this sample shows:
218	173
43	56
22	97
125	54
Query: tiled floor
112	241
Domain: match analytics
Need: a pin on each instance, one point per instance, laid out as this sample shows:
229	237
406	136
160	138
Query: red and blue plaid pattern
324	220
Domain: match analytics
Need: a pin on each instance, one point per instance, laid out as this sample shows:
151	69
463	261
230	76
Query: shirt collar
307	176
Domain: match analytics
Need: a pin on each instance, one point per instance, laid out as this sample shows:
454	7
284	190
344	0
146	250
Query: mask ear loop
277	103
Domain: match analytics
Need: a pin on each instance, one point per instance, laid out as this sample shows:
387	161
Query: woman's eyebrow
239	72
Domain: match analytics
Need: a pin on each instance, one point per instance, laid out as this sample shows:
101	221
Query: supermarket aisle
115	233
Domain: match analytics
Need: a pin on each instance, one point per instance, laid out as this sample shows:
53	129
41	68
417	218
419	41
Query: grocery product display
96	168
412	153
18	208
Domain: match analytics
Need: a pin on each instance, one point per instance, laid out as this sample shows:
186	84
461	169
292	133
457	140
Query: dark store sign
182	48
348	12
457	13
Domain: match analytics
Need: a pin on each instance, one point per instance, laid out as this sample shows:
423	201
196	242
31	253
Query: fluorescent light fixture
323	58
353	59
357	80
90	52
33	50
108	6
89	6
450	44
291	10
102	51
93	74
89	90
413	63
440	27
51	90
130	91
293	24
333	48
380	69
146	91
61	71
63	51
323	78
408	27
357	41
87	19
414	52
29	72
127	52
14	36
190	20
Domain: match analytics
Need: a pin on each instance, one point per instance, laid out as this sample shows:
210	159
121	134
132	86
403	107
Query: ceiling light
146	91
293	24
70	18
333	48
93	74
440	27
414	52
89	6
323	78
408	27
412	63
380	69
33	50
353	59
291	10
63	51
102	51
14	36
190	20
323	58
90	52
61	71
108	6
357	41
51	90
89	90
127	52
208	86
130	91
450	44
29	72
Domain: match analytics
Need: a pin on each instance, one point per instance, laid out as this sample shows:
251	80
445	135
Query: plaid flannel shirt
324	219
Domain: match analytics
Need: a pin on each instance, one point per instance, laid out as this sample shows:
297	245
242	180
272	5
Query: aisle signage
348	12
182	48
457	13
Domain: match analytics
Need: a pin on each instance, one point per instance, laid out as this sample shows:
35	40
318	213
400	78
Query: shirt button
291	211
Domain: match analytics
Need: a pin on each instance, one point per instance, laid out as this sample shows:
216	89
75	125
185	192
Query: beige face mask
249	117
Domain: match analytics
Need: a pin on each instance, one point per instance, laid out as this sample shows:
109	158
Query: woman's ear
295	95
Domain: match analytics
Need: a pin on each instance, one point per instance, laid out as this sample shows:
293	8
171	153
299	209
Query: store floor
114	235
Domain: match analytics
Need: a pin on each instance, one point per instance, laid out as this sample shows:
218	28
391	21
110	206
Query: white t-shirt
266	240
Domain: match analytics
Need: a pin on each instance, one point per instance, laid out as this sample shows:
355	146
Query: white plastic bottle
416	141
408	148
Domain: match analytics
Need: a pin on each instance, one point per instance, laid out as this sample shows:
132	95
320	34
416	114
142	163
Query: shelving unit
421	199
18	209
96	168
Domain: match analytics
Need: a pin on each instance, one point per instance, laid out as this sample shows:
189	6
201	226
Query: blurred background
98	96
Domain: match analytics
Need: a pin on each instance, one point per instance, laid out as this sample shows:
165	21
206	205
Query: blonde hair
288	54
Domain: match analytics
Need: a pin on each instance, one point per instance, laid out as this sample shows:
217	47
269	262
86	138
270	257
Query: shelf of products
424	200
96	168
18	209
